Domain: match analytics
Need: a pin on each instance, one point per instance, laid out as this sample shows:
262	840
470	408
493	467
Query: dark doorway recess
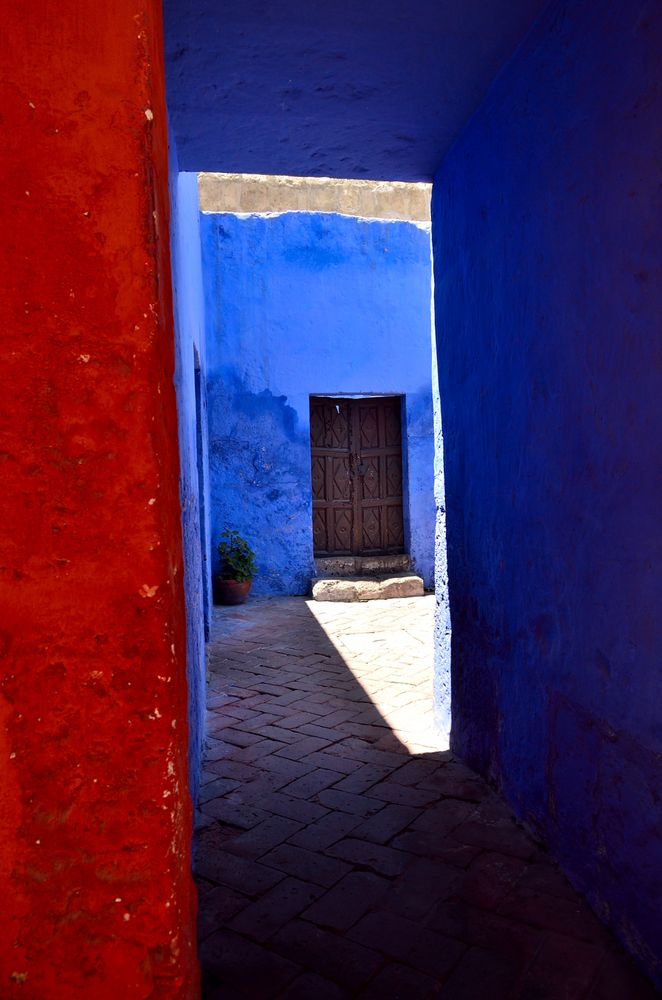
356	461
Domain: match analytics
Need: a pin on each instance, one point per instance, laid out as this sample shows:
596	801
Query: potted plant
237	569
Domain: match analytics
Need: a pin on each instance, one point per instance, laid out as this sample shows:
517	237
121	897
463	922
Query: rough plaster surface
302	304
548	264
250	193
371	89
97	899
442	618
189	349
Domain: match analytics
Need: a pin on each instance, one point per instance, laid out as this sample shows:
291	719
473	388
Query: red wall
97	898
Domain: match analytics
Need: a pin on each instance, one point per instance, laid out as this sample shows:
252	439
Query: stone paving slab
341	851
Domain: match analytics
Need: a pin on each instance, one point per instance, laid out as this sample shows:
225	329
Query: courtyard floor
341	851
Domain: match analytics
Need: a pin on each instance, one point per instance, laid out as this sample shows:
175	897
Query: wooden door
356	457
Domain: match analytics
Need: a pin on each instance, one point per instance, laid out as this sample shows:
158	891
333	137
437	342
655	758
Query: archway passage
340	853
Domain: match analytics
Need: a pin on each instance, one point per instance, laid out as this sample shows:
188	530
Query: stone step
362	565
376	587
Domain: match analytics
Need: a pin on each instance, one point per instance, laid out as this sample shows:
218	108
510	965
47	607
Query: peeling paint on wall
308	304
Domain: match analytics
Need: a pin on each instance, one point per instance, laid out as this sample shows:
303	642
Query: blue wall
300	304
548	266
442	620
189	344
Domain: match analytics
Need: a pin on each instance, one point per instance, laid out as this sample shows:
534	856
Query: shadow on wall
550	389
328	848
259	459
189	387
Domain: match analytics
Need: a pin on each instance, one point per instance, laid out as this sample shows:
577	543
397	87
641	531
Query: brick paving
341	851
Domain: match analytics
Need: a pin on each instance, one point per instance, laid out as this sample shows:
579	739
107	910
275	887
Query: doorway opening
356	474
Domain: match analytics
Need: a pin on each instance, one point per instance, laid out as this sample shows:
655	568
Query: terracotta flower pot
230	591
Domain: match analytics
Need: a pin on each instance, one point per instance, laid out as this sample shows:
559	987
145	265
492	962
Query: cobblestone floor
341	852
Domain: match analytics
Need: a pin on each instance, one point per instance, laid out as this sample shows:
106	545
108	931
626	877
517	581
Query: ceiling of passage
340	88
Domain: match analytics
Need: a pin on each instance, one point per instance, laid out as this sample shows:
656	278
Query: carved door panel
356	456
377	439
331	476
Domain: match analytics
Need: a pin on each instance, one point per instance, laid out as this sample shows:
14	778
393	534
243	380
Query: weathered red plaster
97	900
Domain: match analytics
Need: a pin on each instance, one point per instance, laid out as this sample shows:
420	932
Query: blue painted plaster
375	89
548	267
305	304
442	619
189	344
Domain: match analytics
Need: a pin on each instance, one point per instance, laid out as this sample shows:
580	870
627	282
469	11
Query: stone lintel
261	194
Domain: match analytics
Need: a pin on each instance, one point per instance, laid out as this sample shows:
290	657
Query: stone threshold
362	565
376	587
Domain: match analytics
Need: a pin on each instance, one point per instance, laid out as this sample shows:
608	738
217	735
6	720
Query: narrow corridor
340	852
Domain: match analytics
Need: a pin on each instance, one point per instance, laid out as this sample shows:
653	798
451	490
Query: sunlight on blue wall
300	304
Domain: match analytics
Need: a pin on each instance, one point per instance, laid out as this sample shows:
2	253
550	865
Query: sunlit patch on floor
388	646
